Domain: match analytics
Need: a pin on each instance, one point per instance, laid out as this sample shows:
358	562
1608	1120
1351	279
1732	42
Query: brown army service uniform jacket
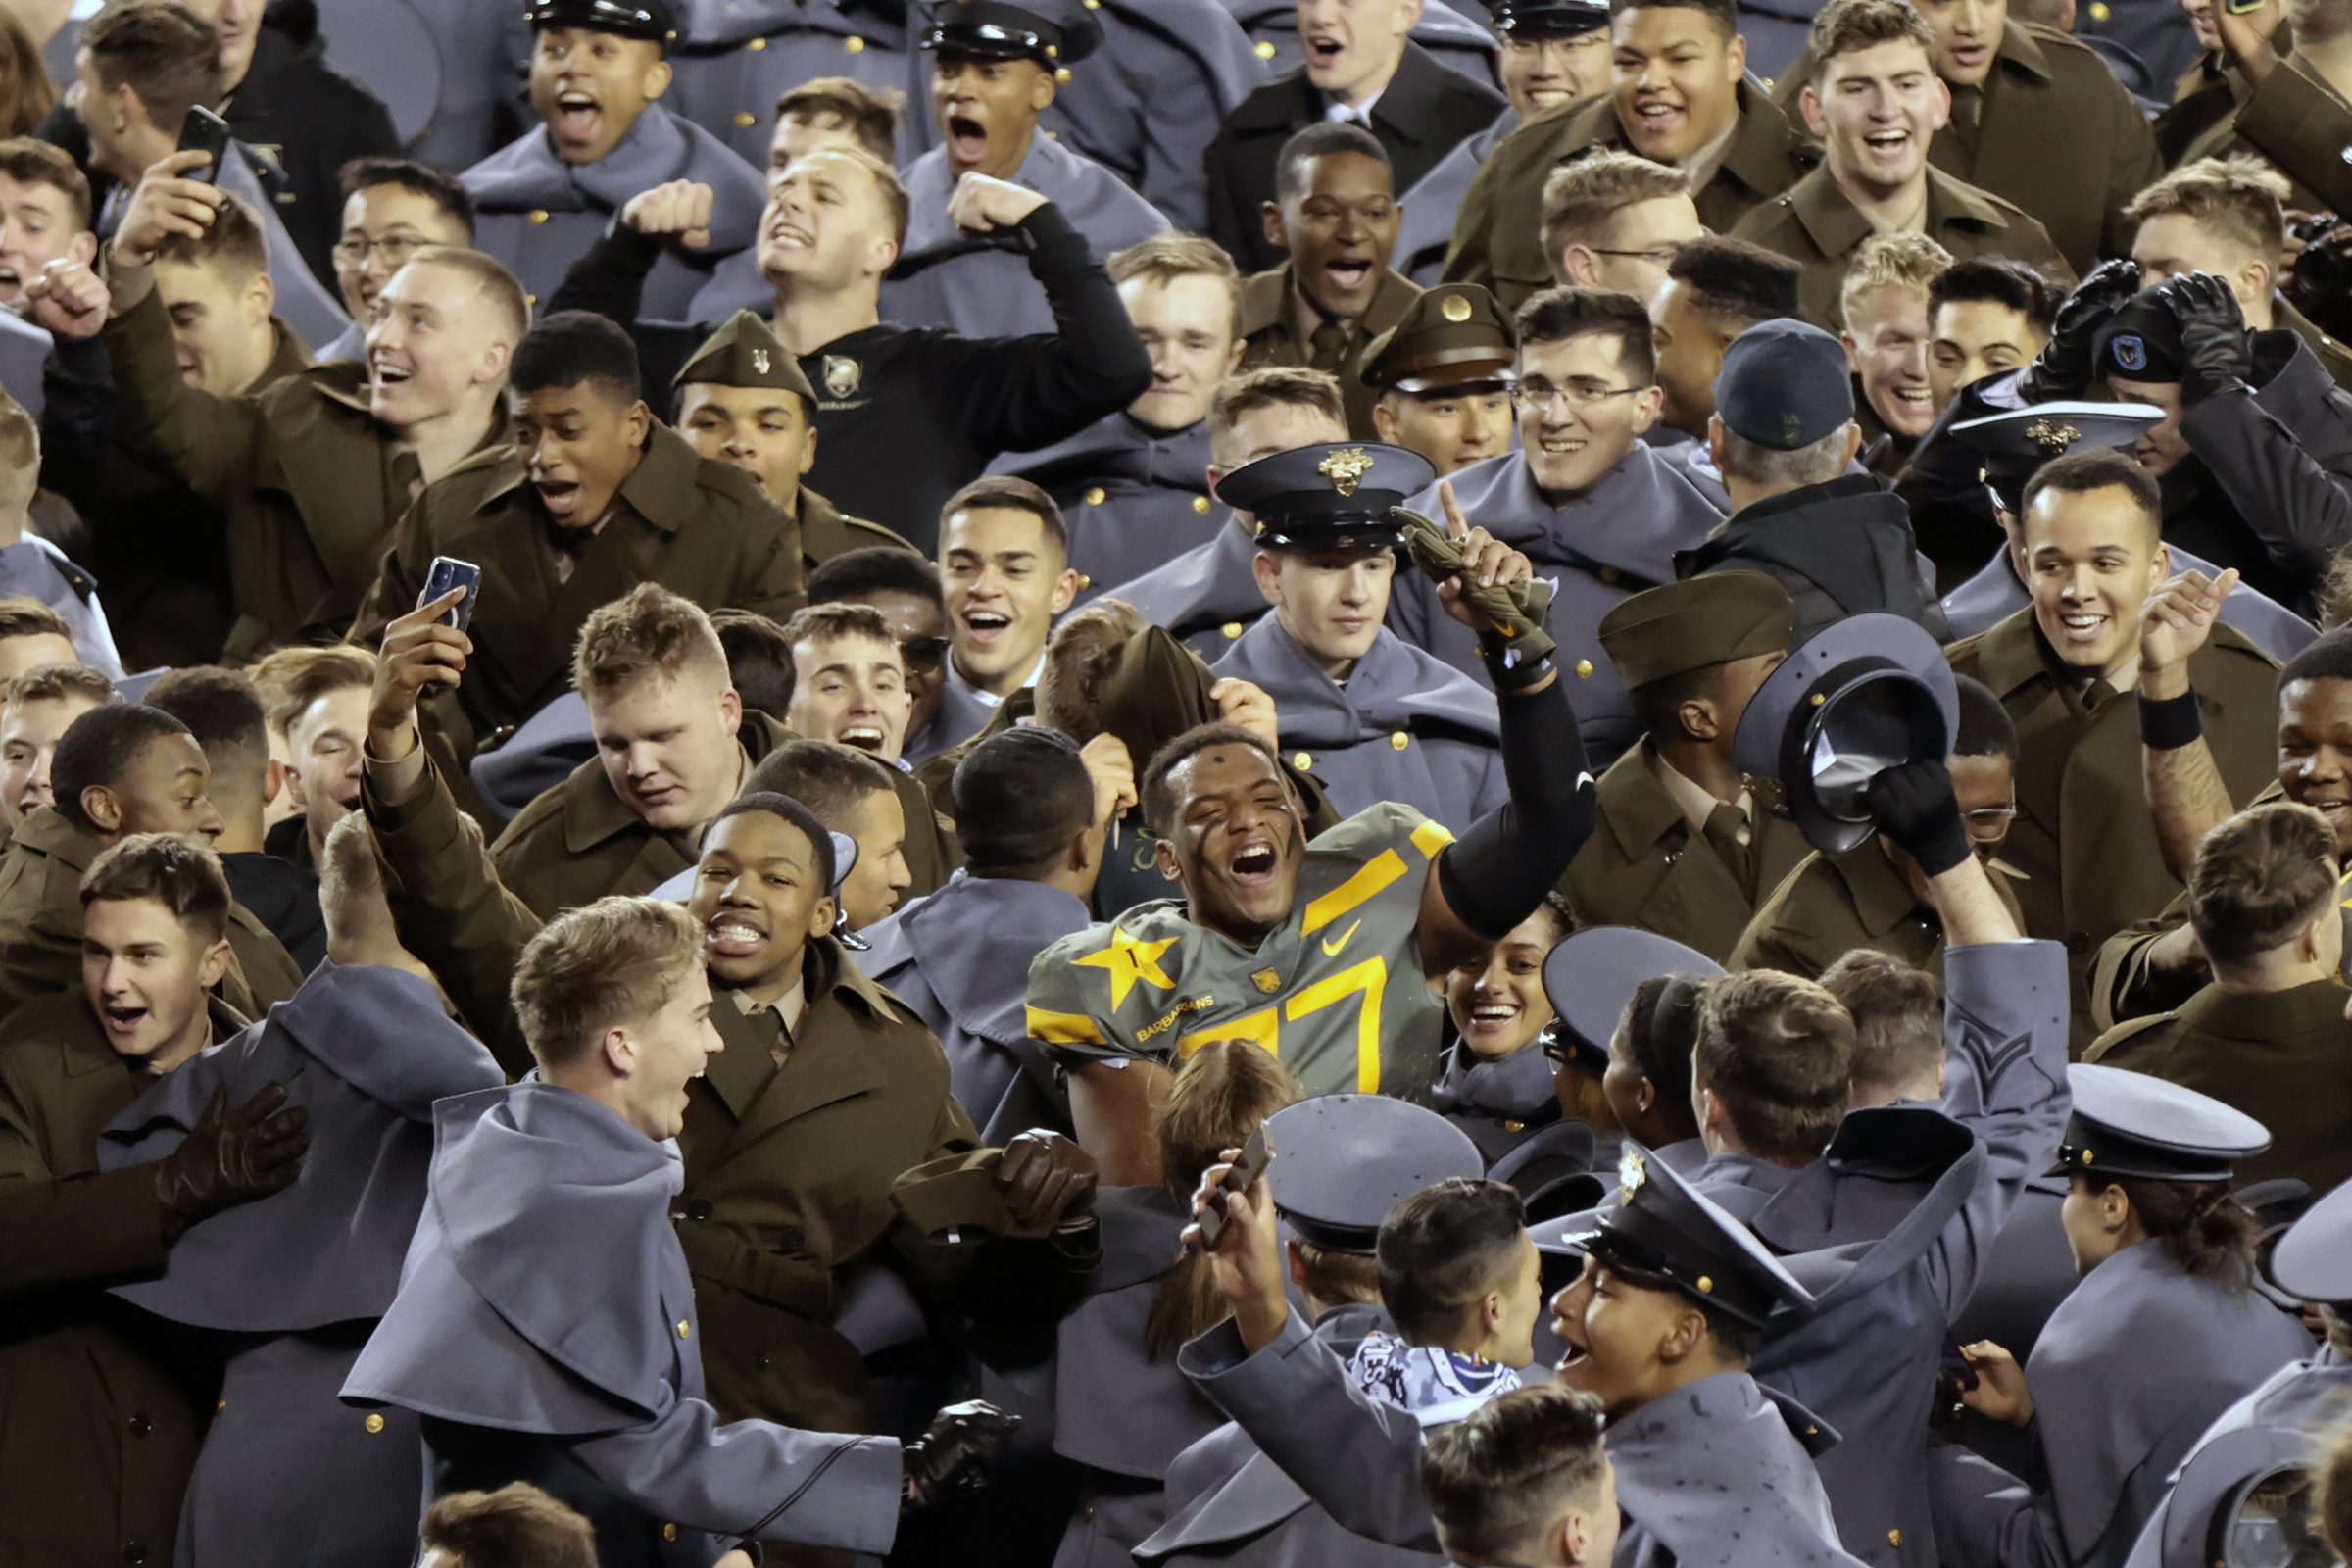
1815	225
1499	240
1834	904
2082	841
699	528
1277	326
2055	132
827	531
100	1435
1643	866
40	924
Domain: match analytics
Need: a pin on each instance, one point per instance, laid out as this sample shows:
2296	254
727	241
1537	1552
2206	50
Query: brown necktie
1722	832
1327	347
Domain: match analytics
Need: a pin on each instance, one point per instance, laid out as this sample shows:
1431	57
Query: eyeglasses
1529	397
395	251
1989	822
1656	255
922	655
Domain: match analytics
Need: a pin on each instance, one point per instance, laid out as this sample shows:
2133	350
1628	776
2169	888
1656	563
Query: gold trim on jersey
1264	1028
1064	1028
1378	873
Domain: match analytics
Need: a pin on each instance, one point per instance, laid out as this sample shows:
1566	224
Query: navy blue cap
2235	1503
2130	1124
1592	974
1547	19
650	19
1784	384
2018	441
1667	1229
1342	1161
1052	32
2141	342
2313	1260
1335	496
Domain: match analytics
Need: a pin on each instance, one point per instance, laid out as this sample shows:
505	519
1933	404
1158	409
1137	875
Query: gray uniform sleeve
2294	504
1987	1518
1359	1462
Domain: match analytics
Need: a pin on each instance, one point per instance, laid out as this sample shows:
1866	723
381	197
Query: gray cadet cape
1456	40
443	69
288	1474
1207	597
959	961
1133	497
545	1331
1600	549
539	213
1499	1104
1229	1504
988	292
23	360
2130	1369
37	569
736	58
1435	199
1994	594
1450	763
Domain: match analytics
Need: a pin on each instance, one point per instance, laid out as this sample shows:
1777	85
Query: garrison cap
1052	32
1591	975
1342	1161
2130	1124
1340	495
2022	440
1664	1227
1784	384
745	352
1867	692
1547	19
1453	337
650	19
2235	1503
2313	1260
1688	625
2141	342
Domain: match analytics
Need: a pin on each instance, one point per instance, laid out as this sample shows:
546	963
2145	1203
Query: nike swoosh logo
1331	949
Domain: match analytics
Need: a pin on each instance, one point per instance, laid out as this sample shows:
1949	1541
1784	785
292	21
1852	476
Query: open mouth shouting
1348	273
733	934
986	628
12	281
865	737
967	141
1323	48
578	118
121	1018
561	497
1254	863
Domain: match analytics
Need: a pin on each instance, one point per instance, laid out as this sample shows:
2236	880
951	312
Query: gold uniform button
681	1328
1706	1285
1455	309
1514	1126
1265	51
1895	1537
669	1532
854	45
1096	496
538	215
746	118
1584	669
222	1406
1400	740
2100	11
1061	74
1302	762
756	45
373	1424
1201	505
1230	629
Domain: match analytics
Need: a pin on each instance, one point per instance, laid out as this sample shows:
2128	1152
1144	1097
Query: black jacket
1425	110
1841	549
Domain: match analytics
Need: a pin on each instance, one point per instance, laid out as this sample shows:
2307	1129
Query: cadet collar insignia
760	362
1455	309
1346	469
2053	435
1631	1173
842	375
1267	981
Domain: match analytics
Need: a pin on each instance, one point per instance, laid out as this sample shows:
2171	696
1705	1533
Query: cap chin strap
845	861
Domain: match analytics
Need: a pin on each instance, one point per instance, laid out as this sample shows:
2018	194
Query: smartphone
448	572
205	132
1254	1155
1954	1369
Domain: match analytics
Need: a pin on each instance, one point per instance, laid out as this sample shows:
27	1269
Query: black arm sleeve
1497	874
608	279
78	418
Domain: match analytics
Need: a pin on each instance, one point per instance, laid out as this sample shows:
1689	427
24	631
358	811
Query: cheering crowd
1115	783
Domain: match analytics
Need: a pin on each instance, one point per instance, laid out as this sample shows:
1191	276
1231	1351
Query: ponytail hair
2199	1225
1223	1092
2331	1493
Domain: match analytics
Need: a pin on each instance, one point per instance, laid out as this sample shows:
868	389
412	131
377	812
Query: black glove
2062	370
1048	1182
2216	355
952	1458
231	1156
1914	806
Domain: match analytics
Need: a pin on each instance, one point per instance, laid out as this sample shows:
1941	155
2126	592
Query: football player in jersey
1322	950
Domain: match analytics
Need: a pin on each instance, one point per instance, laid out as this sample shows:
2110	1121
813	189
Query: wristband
2168	723
1509	668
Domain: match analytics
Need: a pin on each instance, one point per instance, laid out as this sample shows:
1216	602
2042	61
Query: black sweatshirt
908	416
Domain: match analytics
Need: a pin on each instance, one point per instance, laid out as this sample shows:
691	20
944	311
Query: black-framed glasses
1656	255
395	251
922	655
1538	396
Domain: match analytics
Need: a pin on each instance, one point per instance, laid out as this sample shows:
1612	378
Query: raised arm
2187	794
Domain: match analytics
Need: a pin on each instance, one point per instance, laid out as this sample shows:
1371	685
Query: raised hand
166	204
68	300
981	205
418	652
2173	624
679	209
1048	1180
1251	707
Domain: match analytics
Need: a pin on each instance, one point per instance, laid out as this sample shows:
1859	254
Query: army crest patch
842	375
1267	981
1346	469
760	362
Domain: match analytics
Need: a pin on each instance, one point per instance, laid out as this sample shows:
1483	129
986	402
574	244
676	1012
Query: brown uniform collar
833	985
1837	225
2265	1015
2012	653
1637	808
2021	52
1269	299
1881	898
47	830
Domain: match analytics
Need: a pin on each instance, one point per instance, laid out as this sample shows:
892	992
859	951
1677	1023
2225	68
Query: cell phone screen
205	132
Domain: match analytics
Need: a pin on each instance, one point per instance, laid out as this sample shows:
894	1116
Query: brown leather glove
1514	613
1048	1182
231	1156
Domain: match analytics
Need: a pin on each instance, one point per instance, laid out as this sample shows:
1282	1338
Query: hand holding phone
1255	1153
447	573
205	132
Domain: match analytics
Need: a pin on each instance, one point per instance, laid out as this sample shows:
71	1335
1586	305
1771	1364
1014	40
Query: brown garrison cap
1455	335
745	352
1689	625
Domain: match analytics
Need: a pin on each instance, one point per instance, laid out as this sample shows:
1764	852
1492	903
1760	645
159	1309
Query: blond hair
1581	196
1902	259
2240	200
617	960
1168	255
648	630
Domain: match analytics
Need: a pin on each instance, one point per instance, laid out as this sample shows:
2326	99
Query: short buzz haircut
1443	1247
829	622
648	630
234	246
1272	386
897	206
1757	463
1158	796
222	709
2259	879
1321	139
1725	14
1986	727
166	868
30	161
572	348
23	615
1901	259
518	1526
1168	255
58	683
437	185
499	287
1078	662
615	962
1562	315
2240	200
1778	1052
1581	196
1898	1018
348	869
1498	1479
831	779
1735	281
293	678
1844	26
1997	280
98	748
1021	797
1003	492
2101	469
161	50
759	660
870	119
856	575
2326	656
797	813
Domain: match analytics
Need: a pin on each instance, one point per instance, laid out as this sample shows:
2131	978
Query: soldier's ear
1270	214
822	914
105	812
1163	855
213	965
656	80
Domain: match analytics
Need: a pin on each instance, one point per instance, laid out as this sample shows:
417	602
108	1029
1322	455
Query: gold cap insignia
1631	1173
1267	981
760	362
1706	1285
1346	469
1455	309
2053	436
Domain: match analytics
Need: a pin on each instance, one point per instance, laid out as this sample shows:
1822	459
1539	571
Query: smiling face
852	690
146	972
1617	1333
1634	246
166	788
220	327
435	341
1331	602
1499	1005
761	430
1887	341
827	224
669	1049
1187	327
580	444
1353	46
1340	227
914	617
986	109
2093	557
1677	75
384	225
1236	841
1539	73
1876	109
2161	447
1452	429
326	740
1006	579
38	227
760	899
1968	36
588	88
1975	339
668	745
872	888
1579	413
2315	751
29	737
